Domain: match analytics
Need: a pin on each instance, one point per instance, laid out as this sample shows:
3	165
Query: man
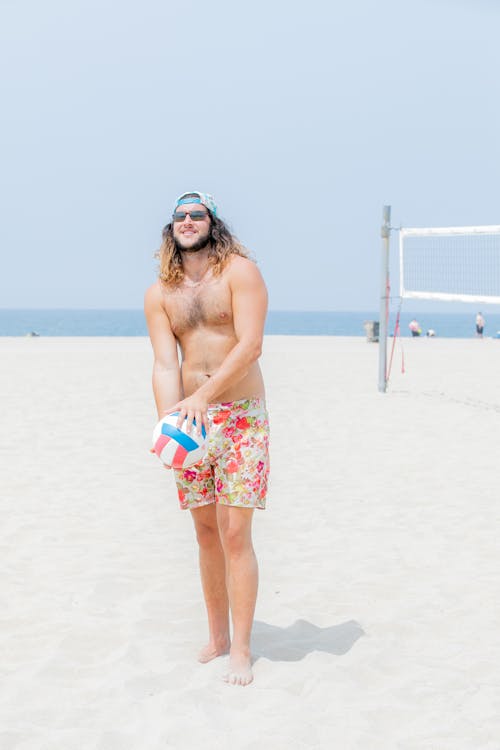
210	301
480	323
414	327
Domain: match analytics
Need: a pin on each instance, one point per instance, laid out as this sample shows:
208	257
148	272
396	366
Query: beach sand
377	623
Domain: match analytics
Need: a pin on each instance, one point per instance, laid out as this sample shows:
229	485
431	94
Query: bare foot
240	668
213	650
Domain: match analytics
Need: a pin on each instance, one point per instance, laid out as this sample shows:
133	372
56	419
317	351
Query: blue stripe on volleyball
203	430
180	437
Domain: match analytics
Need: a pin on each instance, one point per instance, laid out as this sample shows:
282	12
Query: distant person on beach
480	322
210	301
414	327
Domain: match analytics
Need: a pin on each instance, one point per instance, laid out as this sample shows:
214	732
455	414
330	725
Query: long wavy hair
222	244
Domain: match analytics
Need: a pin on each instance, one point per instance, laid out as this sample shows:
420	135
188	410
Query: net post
384	300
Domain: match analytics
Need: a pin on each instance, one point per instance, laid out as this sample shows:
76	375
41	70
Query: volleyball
174	447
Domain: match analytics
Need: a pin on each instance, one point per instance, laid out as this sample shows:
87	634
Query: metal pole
384	293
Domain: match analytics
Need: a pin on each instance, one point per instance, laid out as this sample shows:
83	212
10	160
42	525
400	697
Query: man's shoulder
243	275
153	294
239	265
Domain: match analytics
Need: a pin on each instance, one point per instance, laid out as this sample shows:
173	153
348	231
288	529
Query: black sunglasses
195	215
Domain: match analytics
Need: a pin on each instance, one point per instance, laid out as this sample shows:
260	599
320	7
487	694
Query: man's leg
235	525
213	580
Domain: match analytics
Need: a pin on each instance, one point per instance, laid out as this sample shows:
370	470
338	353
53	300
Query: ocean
283	322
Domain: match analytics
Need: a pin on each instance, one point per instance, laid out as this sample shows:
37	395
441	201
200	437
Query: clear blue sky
302	119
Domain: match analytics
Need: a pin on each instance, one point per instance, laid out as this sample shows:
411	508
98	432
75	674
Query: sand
377	624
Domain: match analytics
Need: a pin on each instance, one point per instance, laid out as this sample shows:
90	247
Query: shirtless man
210	301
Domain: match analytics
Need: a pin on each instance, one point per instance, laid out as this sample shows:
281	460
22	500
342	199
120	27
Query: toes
233	678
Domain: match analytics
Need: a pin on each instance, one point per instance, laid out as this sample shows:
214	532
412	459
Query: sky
302	119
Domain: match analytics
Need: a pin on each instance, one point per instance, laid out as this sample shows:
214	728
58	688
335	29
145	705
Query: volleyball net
450	263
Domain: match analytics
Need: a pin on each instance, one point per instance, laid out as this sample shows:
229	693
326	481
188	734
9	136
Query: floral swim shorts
235	469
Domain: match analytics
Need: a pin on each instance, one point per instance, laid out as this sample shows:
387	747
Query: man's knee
207	534
236	541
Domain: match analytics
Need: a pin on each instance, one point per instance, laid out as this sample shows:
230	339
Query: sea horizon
131	322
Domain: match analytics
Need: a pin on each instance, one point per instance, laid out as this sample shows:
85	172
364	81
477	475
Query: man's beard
200	243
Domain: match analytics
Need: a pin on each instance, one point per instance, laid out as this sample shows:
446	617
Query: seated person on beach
210	301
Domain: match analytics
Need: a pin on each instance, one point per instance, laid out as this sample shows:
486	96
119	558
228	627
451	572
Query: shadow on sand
296	641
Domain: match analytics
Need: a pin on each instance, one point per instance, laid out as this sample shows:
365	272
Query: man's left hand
195	409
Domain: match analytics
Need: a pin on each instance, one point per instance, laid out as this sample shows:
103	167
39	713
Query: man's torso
201	318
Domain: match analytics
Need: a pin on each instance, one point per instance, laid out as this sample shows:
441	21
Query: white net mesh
451	263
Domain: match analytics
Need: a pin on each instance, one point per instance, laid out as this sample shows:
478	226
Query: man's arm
249	304
167	387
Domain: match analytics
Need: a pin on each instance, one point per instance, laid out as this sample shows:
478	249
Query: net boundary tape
440	231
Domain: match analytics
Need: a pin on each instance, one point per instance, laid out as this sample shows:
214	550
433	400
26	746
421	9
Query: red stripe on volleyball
179	456
160	444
